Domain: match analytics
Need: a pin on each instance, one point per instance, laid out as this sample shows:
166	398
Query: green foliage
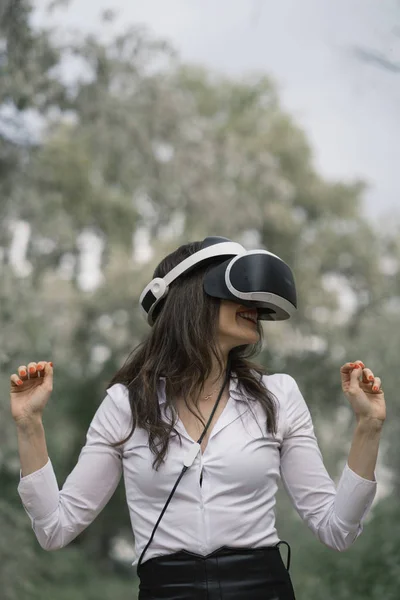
369	570
29	573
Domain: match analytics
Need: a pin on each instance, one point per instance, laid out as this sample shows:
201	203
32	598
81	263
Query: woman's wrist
32	445
29	425
369	425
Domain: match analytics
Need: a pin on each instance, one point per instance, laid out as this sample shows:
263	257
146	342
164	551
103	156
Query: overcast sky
350	110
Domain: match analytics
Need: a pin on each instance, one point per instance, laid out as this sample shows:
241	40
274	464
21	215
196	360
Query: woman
202	437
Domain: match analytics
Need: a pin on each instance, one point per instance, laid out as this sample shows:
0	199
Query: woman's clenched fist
30	391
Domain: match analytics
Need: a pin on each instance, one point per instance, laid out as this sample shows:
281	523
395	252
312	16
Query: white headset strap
221	249
224	248
215	250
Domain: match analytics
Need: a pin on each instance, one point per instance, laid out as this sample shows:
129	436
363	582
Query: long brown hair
182	348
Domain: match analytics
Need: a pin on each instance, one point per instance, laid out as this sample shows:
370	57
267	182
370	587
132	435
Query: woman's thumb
48	375
355	380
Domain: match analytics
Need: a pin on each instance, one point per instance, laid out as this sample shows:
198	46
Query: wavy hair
182	347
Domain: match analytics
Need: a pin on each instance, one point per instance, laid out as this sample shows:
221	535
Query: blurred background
128	128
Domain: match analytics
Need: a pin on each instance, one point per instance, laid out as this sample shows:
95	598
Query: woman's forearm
364	448
32	446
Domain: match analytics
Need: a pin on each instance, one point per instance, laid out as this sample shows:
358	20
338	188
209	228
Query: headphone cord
189	460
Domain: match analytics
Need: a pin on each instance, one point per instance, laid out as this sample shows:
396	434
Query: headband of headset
212	248
258	279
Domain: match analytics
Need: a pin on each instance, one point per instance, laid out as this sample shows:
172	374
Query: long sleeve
58	516
335	515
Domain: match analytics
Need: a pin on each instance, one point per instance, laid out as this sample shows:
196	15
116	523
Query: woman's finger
32	372
355	380
23	372
41	367
377	385
368	376
350	366
15	379
374	386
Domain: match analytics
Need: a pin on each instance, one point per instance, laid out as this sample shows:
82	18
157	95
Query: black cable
185	468
288	555
162	514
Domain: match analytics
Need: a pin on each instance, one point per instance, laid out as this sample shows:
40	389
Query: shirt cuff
354	497
39	492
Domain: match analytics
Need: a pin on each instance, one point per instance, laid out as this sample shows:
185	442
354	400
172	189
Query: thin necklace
211	393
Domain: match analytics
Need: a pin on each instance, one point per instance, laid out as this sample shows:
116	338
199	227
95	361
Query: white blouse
234	503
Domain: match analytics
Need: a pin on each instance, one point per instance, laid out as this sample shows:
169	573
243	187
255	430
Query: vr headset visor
257	279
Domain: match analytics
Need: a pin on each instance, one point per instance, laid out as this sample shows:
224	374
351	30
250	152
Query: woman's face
237	325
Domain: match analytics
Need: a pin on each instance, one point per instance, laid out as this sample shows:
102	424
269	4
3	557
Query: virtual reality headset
256	278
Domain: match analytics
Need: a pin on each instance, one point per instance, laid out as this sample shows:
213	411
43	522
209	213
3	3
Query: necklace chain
211	393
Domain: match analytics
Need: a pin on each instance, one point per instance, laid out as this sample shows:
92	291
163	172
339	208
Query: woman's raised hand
30	391
364	392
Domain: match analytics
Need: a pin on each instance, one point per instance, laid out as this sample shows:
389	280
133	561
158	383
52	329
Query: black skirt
226	574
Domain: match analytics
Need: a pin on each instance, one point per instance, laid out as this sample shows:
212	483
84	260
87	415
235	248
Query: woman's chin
246	334
248	331
248	338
